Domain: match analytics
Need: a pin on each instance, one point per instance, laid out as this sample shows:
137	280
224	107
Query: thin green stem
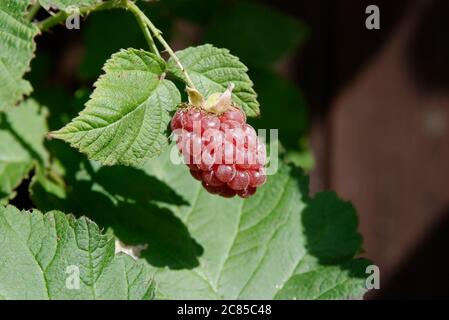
158	35
141	21
34	9
49	22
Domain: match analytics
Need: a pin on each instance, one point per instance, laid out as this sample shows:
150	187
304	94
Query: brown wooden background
380	130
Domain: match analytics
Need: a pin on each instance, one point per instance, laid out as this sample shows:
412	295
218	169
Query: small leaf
328	282
22	133
212	70
16	51
126	119
55	256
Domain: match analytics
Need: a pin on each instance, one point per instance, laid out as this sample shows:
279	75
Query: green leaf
212	69
123	199
22	133
41	252
256	248
66	5
16	51
126	119
327	282
240	30
207	247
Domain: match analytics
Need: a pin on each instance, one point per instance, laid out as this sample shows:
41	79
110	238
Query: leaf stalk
158	35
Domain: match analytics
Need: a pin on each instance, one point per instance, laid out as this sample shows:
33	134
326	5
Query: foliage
39	250
282	243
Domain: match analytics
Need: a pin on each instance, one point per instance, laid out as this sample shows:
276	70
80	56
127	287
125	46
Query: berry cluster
222	151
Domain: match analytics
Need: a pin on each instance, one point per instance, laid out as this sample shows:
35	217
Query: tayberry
221	150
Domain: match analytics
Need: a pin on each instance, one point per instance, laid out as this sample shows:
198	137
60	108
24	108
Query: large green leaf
22	133
126	119
257	248
16	51
212	69
272	245
43	254
66	5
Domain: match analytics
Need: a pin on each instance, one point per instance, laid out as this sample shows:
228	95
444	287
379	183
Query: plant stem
158	35
34	9
141	21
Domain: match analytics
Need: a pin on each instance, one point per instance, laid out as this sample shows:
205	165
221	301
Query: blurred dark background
365	111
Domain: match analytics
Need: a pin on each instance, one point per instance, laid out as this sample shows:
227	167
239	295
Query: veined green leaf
327	282
22	133
55	256
268	246
126	119
16	51
212	69
271	245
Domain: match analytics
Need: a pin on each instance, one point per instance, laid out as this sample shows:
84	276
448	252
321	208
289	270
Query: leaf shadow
136	185
6	125
135	205
330	229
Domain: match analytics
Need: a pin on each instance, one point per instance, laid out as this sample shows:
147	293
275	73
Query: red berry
193	167
227	192
192	118
236	136
194	145
224	153
246	159
225	172
211	189
176	121
207	161
210	122
229	124
213	139
228	153
240	181
235	115
246	193
257	177
198	175
210	178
